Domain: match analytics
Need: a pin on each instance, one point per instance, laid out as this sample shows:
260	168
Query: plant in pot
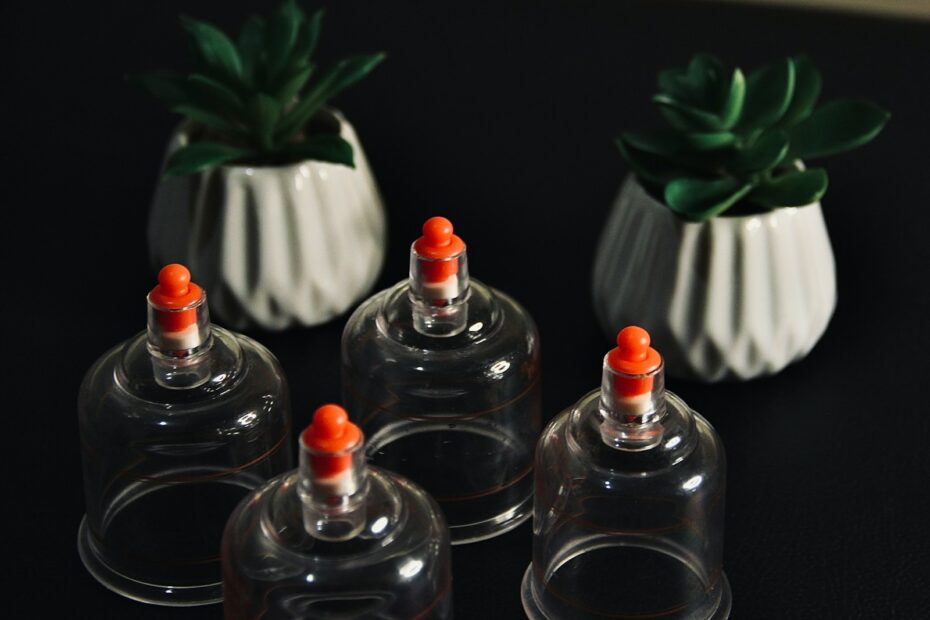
266	193
716	242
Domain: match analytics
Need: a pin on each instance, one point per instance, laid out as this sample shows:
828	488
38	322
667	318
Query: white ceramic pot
729	298
273	246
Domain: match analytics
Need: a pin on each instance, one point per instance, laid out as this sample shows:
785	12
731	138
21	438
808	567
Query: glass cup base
154	594
490	528
535	612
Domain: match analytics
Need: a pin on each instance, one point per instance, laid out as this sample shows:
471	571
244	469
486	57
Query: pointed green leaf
346	73
734	100
792	189
282	35
706	77
767	152
835	127
323	147
699	85
200	156
685	117
650	167
167	87
264	112
292	86
807	84
667	142
702	65
647	166
343	74
209	119
674	83
307	38
216	52
251	45
218	96
702	199
768	94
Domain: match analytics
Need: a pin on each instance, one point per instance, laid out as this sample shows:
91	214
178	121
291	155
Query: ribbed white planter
273	246
732	297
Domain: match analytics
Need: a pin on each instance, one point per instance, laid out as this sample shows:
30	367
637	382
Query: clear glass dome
336	539
629	507
177	425
442	373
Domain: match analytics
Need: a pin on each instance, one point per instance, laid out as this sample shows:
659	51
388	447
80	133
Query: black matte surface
499	116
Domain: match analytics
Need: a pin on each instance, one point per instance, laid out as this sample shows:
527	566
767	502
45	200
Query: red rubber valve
174	291
437	233
328	437
442	245
633	356
174	280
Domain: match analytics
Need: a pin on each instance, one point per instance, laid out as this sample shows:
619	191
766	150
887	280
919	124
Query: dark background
499	116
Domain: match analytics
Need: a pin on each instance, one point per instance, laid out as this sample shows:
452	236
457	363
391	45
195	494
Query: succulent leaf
699	85
282	35
251	44
294	83
350	71
674	84
215	94
835	127
807	83
734	100
765	153
200	156
258	98
733	138
210	119
264	112
650	167
797	188
705	76
308	36
323	147
685	117
701	199
169	88
768	94
665	142
343	74
216	52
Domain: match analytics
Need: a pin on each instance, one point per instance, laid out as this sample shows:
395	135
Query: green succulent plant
741	140
260	100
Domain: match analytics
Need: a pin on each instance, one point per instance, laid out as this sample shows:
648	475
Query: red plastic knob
328	437
633	344
174	280
437	232
174	291
329	423
633	356
439	242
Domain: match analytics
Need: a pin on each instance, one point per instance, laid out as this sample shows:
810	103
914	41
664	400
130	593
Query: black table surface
499	116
